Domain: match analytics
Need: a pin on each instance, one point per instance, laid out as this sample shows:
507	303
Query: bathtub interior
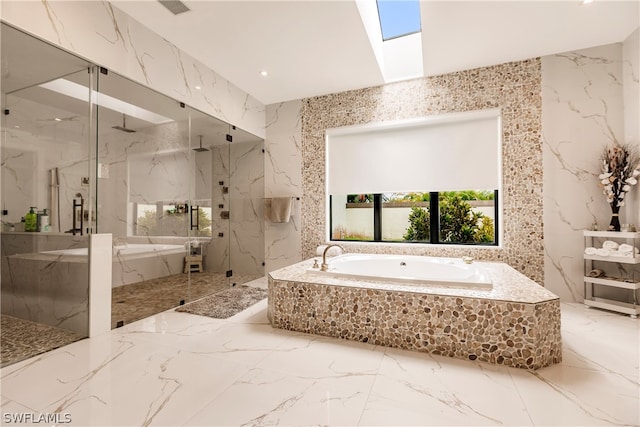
408	269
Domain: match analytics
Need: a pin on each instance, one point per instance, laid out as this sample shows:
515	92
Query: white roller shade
450	152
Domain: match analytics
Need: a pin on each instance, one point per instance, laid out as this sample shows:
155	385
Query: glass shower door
45	159
209	229
144	179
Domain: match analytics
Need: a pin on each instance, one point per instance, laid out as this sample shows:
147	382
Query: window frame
434	223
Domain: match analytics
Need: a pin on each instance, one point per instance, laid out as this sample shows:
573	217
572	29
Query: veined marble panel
246	201
100	32
283	177
582	113
42	291
631	96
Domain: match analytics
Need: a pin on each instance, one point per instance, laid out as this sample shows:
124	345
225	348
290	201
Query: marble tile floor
179	369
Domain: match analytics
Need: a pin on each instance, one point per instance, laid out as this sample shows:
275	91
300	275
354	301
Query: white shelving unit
629	283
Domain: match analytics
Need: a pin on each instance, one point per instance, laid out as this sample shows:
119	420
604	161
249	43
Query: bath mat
226	303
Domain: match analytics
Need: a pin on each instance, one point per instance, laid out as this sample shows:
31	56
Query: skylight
398	18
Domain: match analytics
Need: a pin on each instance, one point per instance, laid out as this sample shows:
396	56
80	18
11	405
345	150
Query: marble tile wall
98	31
582	112
513	87
246	193
217	254
26	162
631	101
283	177
42	291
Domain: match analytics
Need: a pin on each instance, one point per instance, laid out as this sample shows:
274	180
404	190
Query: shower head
124	128
200	148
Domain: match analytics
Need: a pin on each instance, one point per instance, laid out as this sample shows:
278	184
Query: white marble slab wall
217	258
26	161
631	96
53	293
151	165
103	34
582	96
246	200
283	177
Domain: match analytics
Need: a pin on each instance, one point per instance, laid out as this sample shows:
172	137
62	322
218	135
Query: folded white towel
627	248
609	244
590	251
333	251
603	252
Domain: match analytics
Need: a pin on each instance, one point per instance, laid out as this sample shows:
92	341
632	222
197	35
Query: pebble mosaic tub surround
517	323
515	88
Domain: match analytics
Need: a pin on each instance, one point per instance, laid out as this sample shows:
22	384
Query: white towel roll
590	251
596	273
603	252
627	248
610	245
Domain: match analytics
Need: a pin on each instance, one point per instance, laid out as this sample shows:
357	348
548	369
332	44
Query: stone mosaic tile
21	339
517	323
514	87
139	300
226	303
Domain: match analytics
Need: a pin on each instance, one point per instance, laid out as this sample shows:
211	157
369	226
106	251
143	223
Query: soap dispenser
30	220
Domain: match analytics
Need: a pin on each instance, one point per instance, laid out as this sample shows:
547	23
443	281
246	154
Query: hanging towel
281	209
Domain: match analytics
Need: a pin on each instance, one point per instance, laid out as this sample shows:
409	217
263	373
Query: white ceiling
314	48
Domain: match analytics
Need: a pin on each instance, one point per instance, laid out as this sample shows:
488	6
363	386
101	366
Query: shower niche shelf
629	285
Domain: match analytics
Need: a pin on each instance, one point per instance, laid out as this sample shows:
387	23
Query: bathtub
131	263
409	269
515	322
128	251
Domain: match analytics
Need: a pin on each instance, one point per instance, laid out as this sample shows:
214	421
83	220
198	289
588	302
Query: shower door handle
197	222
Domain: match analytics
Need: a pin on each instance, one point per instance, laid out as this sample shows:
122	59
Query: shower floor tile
136	301
21	339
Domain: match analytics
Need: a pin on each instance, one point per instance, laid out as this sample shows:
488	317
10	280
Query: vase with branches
620	172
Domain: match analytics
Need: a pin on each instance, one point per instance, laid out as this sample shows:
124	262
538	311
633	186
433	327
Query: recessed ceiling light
17	127
264	73
57	119
198	87
586	1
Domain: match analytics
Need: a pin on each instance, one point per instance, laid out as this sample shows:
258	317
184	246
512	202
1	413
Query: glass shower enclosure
180	192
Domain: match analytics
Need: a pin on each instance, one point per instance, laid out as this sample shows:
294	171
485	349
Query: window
173	219
398	18
455	161
463	217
